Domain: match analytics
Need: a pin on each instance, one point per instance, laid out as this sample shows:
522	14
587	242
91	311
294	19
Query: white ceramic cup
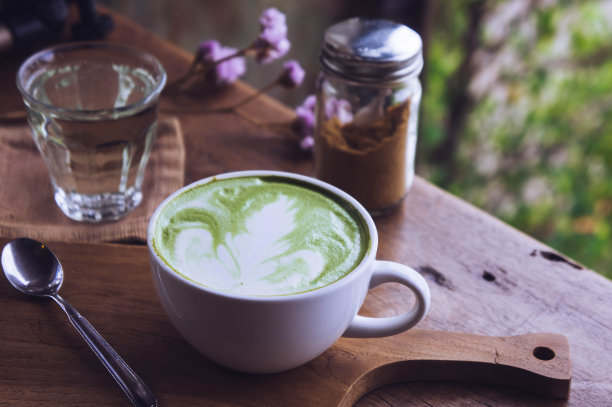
265	334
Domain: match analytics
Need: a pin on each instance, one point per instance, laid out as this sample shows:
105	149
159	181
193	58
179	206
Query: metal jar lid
371	50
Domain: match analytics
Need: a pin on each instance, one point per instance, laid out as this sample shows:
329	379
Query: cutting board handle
537	362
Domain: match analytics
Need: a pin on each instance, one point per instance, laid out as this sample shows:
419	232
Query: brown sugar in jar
368	160
368	97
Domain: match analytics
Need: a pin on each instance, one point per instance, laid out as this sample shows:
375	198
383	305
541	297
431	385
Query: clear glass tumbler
92	108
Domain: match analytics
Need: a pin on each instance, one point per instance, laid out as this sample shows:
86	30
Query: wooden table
486	278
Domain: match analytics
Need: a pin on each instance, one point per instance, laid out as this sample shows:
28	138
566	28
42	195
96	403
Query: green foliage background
535	148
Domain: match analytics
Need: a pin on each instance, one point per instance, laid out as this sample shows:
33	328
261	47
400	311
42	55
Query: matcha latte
260	235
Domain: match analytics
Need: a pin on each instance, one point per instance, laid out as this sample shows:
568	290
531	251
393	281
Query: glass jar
368	96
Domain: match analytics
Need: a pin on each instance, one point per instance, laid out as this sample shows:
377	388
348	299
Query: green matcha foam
263	235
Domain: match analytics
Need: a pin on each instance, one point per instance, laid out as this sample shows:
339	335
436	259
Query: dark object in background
24	23
92	26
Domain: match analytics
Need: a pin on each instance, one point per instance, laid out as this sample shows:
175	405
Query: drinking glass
92	109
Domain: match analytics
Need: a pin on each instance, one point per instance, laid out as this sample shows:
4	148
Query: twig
13	116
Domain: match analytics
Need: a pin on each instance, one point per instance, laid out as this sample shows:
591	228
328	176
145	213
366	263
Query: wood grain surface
111	286
486	279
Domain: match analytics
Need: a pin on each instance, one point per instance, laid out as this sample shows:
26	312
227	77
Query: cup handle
390	272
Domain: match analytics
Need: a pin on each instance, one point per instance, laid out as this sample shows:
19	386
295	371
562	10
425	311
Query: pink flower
339	108
292	75
273	25
306	111
272	42
307	143
305	122
207	50
227	71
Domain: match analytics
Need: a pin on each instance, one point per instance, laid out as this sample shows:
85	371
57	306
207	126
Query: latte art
260	236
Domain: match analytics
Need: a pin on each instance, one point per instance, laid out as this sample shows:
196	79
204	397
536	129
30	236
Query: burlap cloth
27	207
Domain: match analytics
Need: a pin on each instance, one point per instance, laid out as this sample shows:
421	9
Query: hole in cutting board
543	353
488	276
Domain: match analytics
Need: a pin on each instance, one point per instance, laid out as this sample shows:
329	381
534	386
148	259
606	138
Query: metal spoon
33	269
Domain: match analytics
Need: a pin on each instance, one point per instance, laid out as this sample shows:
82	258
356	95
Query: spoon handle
132	385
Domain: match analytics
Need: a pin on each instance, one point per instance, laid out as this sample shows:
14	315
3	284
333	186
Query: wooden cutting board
43	361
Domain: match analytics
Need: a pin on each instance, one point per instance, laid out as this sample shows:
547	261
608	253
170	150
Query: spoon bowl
32	268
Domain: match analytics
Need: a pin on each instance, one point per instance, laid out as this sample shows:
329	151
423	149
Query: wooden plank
111	286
